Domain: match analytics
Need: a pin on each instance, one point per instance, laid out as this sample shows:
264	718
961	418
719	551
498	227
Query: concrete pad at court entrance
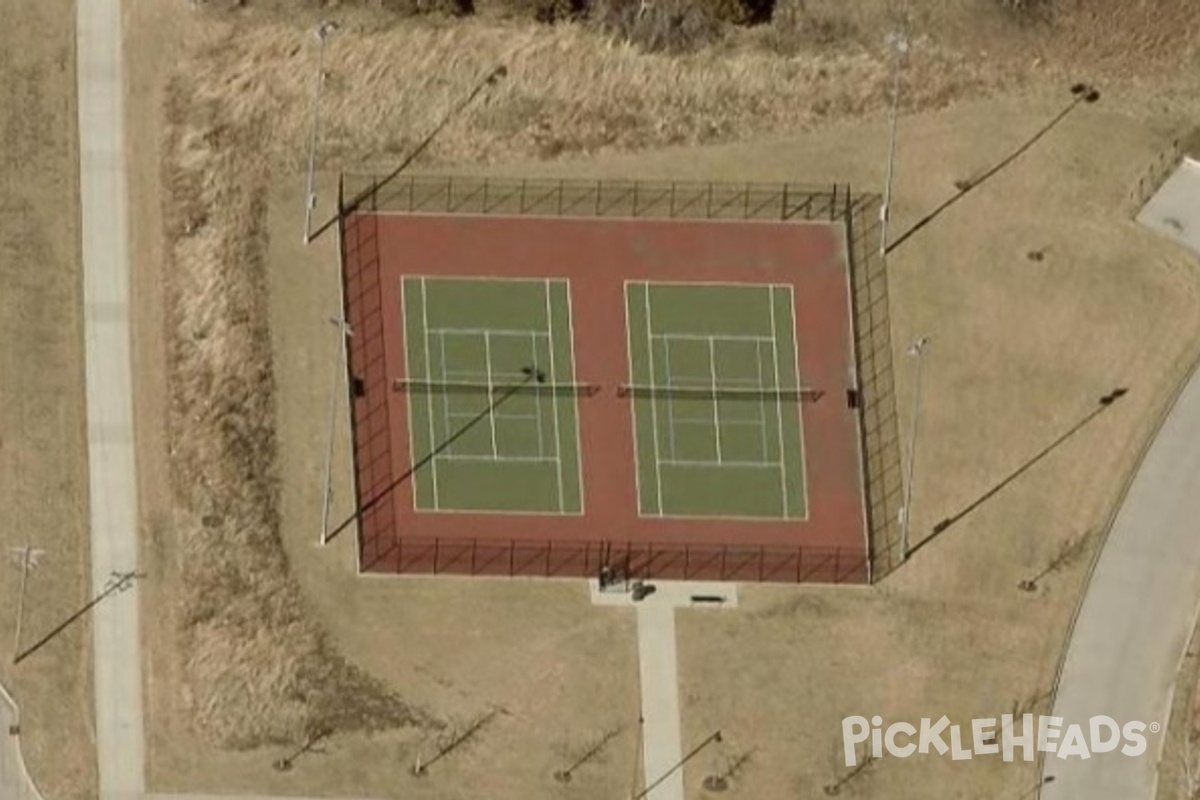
706	594
1174	210
658	670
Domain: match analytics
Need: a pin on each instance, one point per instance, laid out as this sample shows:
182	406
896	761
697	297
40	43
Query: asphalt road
1137	616
15	783
112	488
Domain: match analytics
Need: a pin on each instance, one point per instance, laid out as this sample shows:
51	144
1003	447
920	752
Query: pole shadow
1083	93
1103	404
488	80
531	375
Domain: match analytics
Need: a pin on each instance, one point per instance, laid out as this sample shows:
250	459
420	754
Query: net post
436	543
474	549
799	561
512	557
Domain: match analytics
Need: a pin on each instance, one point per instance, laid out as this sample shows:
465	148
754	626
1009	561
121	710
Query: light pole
898	41
338	375
26	558
324	28
916	349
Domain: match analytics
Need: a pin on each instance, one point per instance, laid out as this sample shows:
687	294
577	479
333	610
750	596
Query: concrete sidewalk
112	489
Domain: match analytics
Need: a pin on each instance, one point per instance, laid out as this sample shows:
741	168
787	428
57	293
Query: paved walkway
662	745
15	783
112	490
1137	616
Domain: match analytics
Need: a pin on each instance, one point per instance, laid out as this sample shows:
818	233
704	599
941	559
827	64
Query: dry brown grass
258	669
567	91
43	440
240	120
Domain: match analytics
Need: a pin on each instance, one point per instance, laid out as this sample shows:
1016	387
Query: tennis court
488	361
549	378
716	399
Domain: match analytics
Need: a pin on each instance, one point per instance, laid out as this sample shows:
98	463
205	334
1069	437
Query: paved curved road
112	489
15	783
1137	616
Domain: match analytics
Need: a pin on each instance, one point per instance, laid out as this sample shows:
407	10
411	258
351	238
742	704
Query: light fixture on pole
898	42
916	349
324	29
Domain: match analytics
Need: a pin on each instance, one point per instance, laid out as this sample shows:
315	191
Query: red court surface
597	257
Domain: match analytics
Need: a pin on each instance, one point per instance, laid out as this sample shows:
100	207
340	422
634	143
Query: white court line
696	337
778	402
712	381
633	417
666	340
574	399
493	331
684	462
653	402
447	415
537	399
429	406
762	413
500	459
487	359
800	406
553	400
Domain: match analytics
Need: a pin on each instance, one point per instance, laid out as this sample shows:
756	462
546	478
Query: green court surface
716	400
470	344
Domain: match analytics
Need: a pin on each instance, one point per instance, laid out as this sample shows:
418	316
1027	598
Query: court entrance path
658	670
104	221
662	745
1134	624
